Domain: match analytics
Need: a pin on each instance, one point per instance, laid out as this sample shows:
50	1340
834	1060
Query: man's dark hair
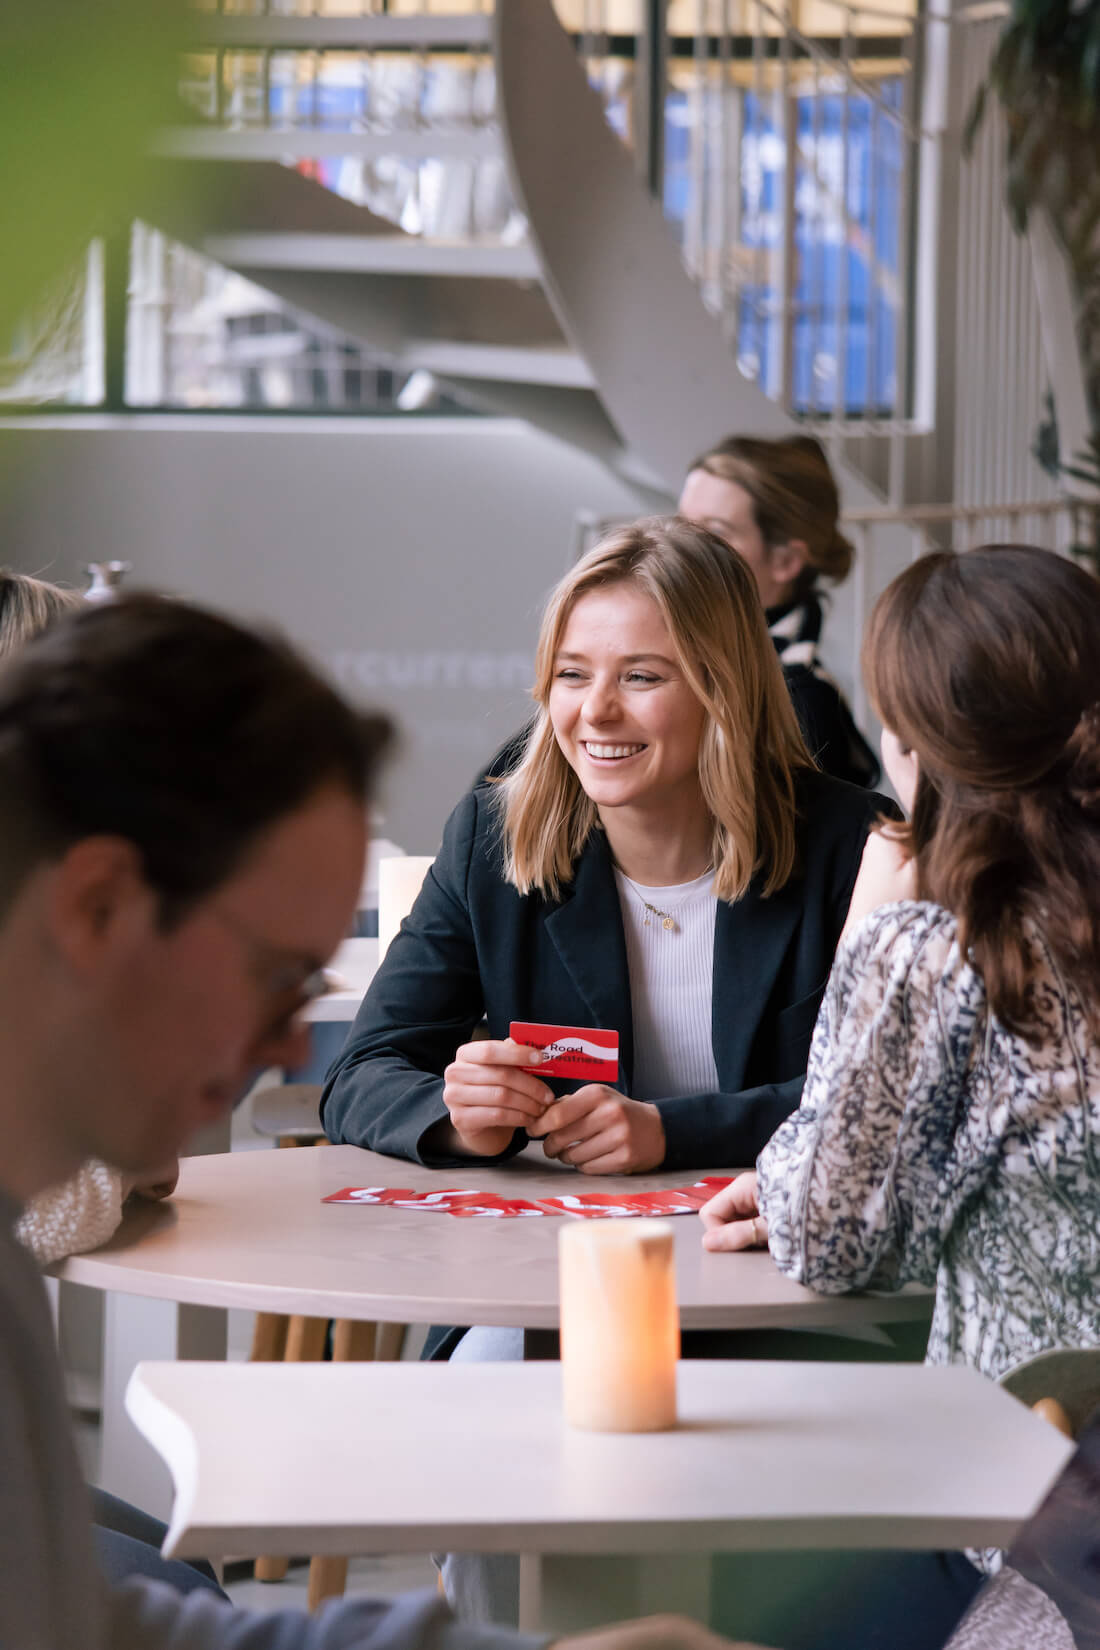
175	728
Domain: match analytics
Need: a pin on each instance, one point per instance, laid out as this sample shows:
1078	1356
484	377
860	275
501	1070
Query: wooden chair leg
389	1342
270	1569
327	1579
269	1338
305	1340
353	1341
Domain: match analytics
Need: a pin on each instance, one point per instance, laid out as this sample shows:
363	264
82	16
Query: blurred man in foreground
182	831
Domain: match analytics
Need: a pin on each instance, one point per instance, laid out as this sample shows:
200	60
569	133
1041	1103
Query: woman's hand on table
599	1131
489	1097
732	1217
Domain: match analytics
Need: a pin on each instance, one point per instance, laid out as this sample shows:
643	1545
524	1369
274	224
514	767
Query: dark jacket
830	732
472	945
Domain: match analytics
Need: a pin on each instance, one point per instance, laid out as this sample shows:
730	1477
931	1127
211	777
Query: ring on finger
757	1239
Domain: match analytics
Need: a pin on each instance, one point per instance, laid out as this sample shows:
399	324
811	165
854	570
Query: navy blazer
473	946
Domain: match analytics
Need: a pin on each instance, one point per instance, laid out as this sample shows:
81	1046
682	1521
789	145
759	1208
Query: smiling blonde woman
665	862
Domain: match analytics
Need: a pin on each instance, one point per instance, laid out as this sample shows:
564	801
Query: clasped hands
596	1129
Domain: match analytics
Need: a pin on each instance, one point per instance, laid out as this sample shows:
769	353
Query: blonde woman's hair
751	746
28	606
794	496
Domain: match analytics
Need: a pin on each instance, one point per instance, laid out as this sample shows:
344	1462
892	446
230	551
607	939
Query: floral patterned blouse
933	1145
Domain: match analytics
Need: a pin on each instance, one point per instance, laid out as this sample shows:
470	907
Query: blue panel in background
847	222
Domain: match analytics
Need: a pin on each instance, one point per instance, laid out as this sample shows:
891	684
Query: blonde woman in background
776	503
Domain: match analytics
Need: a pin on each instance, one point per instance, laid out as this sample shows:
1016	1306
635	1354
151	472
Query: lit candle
620	1330
399	881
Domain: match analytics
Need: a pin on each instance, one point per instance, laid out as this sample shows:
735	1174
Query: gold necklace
667	919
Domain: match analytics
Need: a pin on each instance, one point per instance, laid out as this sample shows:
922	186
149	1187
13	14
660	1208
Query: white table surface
412	1458
249	1229
356	962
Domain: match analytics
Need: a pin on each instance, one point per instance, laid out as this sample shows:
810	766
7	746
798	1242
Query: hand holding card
490	1092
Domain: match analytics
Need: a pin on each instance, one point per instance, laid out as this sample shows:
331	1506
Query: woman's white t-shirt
671	985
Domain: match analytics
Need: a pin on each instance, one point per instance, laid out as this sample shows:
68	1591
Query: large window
788	173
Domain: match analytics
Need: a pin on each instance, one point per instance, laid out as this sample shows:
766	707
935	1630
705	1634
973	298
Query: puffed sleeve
861	1183
74	1217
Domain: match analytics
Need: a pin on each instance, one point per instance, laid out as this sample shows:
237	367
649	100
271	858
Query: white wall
409	557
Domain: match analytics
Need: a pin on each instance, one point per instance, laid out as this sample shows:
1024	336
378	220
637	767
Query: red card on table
662	1203
703	1190
370	1194
589	1205
449	1201
488	1206
570	1051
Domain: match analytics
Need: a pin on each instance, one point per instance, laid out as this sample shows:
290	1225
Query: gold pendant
668	923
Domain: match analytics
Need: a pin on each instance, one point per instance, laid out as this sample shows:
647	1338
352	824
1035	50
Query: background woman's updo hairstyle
794	496
751	746
987	666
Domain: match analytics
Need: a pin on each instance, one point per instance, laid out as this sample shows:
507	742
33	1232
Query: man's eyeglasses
281	973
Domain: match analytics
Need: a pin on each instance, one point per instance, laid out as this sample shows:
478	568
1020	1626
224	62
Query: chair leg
270	1569
327	1579
353	1341
269	1338
389	1343
305	1340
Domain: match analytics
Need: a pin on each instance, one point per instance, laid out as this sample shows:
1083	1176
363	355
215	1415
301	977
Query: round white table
249	1229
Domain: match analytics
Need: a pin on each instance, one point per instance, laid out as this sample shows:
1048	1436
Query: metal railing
794	182
790	154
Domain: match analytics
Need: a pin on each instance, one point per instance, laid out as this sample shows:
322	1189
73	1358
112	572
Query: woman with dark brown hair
949	1130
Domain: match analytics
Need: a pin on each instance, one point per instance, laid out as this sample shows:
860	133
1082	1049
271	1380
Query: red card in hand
572	1051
